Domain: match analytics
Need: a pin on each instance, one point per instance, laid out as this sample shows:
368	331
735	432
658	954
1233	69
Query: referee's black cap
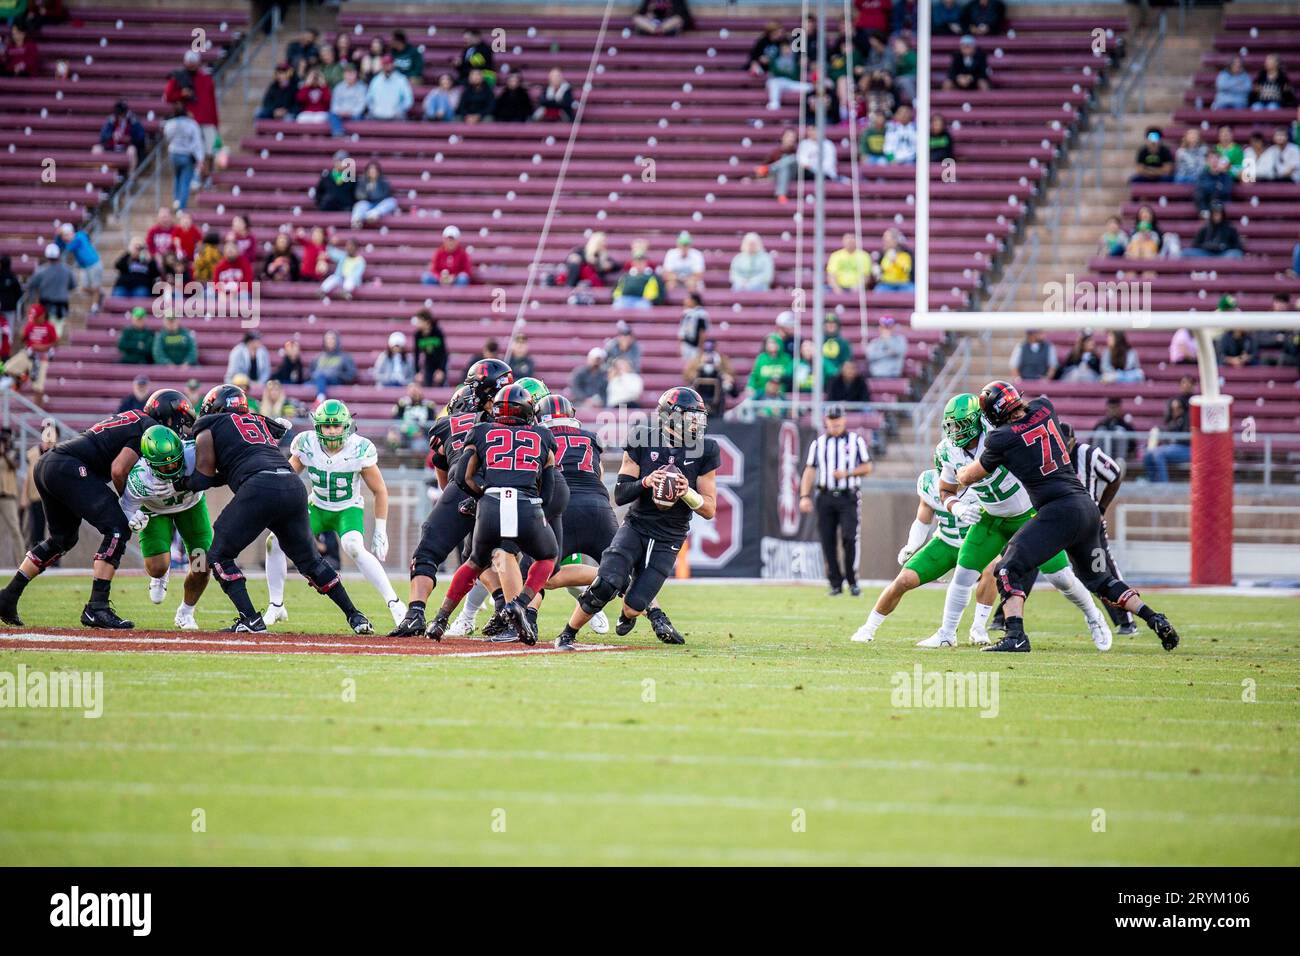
834	411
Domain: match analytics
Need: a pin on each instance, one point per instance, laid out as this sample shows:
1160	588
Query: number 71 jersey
1000	494
335	479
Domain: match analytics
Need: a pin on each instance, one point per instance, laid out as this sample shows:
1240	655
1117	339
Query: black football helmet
514	405
169	407
225	398
554	406
462	400
999	401
487	377
683	416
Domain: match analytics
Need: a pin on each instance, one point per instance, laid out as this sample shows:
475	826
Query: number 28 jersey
511	456
1033	449
335	479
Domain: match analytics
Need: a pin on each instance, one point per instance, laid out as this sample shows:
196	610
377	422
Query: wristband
692	498
381	525
948	503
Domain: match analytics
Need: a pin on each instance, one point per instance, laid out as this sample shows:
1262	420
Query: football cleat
360	624
979	635
463	626
410	626
624	626
158	589
103	615
863	635
663	627
1165	631
517	615
1127	630
398	610
250	625
567	641
855	590
437	627
1015	642
1100	634
834	592
599	623
9	610
497	624
939	639
274	613
185	620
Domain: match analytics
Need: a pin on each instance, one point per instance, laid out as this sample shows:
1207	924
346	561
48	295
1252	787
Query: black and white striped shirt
1095	468
840	453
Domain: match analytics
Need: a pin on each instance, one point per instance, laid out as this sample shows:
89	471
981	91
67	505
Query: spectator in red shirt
193	86
20	57
185	237
242	237
316	263
872	20
159	239
313	98
39	337
450	264
233	271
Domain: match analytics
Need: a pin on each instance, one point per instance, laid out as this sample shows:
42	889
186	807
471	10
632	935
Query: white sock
1068	584
476	598
874	620
186	608
982	612
958	596
374	572
277	569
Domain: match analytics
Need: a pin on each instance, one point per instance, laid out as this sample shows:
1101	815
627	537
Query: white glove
284	423
966	512
379	543
137	521
905	554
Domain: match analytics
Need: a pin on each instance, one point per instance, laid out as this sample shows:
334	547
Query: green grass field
769	738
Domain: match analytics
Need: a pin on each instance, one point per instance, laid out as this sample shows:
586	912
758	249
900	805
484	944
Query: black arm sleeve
627	490
548	489
459	476
277	430
197	481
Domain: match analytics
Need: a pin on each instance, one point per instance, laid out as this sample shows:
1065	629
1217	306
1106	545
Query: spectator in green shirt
772	364
836	349
136	341
175	345
1230	151
873	141
407	59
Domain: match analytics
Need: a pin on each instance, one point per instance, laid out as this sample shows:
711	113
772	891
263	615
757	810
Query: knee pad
423	568
353	544
227	573
1007	585
50	550
598	594
1115	592
113	546
965	577
321	576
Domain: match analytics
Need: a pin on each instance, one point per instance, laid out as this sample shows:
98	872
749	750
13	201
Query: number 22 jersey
511	456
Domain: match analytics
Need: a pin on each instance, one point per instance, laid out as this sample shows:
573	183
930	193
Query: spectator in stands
347	100
450	264
848	267
185	237
848	385
329	65
343	49
430	355
175	345
520	361
122	133
887	352
349	269
1182	348
475	55
875	95
375	198
51	284
783	75
1119	360
389	95
407	59
693	325
159	238
193	86
1228	147
135	342
441	101
1232	87
808	155
765	48
303	51
234	272
941	146
1217	238
139	394
590	264
1213	185
900	137
371	61
514	104
904	66
1271	89
623	345
624	386
315	263
1154	161
1190	157
74	242
476	99
587	383
249	357
984	17
1114	240
242	237
39	337
1281	161
1081	363
787	323
207	257
752	269
710	373
638	287
894	270
1252	154
945	19
1144	243
332	367
413	416
1238	348
876	56
21	58
282	264
313	98
662	17
683	265
274	403
291	370
784	153
772	364
1034	357
1173	450
491	350
336	190
280	101
805	375
393	367
556	101
1112	430
836	349
872	147
969	67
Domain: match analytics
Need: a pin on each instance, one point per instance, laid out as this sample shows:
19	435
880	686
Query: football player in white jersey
155	510
335	457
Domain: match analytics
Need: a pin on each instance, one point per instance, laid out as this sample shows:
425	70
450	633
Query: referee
837	463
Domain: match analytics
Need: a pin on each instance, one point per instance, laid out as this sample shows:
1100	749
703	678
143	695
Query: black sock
531	614
499	599
1146	613
416	606
625	616
1015	624
526	595
568	631
17	584
99	588
339	595
237	591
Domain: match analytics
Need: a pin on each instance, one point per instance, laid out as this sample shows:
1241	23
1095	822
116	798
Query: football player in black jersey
508	470
447	526
1027	439
239	448
73	481
643	553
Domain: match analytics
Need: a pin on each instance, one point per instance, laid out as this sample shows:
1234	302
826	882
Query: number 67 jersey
1000	494
335	479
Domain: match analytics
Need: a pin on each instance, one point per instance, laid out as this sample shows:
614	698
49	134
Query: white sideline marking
381	649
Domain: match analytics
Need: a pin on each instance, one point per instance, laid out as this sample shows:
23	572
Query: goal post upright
921	226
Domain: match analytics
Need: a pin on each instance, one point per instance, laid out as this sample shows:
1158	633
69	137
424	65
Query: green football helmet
163	449
962	423
329	413
536	388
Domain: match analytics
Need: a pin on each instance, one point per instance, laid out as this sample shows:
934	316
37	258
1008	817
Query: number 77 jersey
335	479
1000	494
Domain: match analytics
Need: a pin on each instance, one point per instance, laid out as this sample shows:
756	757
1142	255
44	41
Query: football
664	490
